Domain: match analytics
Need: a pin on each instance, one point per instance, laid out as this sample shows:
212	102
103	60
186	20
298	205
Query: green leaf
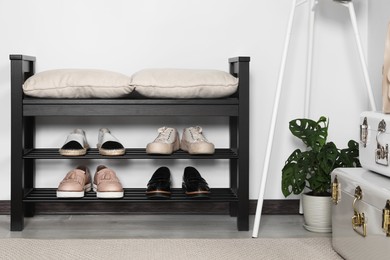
312	168
327	157
312	133
349	157
294	173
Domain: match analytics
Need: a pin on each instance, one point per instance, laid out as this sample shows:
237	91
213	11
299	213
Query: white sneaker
194	142
166	142
76	144
109	144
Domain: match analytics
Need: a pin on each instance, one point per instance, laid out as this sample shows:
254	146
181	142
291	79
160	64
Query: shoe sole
107	194
74	194
200	149
77	152
160	148
158	194
198	195
111	152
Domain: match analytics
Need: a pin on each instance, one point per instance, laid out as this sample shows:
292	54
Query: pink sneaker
106	184
75	183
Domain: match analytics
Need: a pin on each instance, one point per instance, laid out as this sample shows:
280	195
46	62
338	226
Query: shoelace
163	134
196	134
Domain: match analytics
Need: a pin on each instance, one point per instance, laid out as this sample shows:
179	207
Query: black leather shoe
159	186
194	185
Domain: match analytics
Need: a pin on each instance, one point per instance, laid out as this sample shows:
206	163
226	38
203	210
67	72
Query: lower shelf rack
134	153
130	195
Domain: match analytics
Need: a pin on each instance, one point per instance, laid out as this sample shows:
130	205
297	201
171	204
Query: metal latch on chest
336	193
386	218
358	219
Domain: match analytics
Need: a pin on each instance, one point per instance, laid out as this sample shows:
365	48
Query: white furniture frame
312	5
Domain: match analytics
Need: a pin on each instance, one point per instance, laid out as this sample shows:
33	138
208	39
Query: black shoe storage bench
25	109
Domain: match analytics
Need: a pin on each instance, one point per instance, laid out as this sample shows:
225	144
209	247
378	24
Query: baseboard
270	207
276	207
5	207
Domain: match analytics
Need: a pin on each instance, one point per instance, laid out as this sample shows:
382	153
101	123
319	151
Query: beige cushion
78	83
184	83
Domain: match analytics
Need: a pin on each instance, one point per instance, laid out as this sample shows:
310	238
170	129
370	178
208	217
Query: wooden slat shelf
133	153
130	195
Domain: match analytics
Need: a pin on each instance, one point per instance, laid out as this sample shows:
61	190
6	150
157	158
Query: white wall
126	36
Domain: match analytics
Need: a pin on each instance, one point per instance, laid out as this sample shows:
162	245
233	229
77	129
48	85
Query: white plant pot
317	213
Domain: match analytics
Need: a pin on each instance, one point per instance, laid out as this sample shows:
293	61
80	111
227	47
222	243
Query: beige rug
172	249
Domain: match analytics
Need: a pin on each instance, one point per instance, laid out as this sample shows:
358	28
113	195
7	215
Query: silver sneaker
76	144
109	144
166	142
194	142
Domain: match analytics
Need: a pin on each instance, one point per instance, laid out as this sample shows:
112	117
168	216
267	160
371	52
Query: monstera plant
311	168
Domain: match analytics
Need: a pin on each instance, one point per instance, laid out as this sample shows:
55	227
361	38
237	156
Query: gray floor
153	226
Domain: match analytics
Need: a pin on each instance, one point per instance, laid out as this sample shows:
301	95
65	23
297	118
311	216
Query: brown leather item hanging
386	76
